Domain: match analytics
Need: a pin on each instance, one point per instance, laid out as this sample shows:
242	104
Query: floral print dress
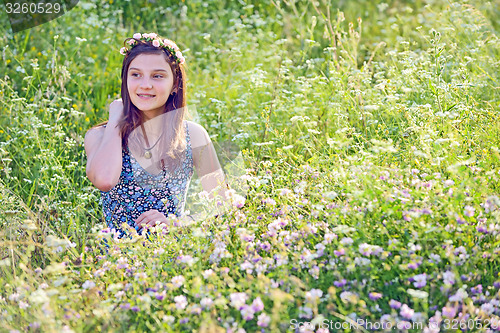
138	191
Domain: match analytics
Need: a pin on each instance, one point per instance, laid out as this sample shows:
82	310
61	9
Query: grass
370	138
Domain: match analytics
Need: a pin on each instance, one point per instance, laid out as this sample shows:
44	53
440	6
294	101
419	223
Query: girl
143	157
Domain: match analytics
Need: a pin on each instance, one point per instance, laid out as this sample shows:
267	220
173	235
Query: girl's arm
103	146
206	162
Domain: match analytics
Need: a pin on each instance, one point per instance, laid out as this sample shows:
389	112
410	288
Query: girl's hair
133	117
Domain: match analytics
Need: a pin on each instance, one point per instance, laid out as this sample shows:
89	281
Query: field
368	141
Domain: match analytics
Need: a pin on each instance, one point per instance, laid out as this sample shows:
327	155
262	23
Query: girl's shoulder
197	134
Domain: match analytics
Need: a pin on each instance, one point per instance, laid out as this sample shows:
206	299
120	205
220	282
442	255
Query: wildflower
34	326
195	310
340	284
406	311
123	51
460	295
296	119
23	305
238	201
160	296
208	273
169	319
449	278
339	252
448	183
269	201
247	312
156	43
491	204
482	229
137	36
489	308
387	320
122	263
313	295
180	302
88	284
178	281
469	211
349	297
420	280
418	293
346	241
238	300
257	305
263	320
305	312
206	303
449	311
247	266
187	259
394	304
477	289
285	191
329	237
374	296
125	306
365	249
14	297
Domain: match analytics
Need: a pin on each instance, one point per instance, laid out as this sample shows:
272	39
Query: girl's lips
145	96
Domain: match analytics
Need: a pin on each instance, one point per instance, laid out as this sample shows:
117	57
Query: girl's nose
145	83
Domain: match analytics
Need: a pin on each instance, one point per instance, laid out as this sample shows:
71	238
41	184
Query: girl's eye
134	74
158	76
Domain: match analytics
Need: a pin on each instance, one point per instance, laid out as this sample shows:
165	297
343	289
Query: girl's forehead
148	61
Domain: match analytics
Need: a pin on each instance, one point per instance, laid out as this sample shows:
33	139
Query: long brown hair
133	117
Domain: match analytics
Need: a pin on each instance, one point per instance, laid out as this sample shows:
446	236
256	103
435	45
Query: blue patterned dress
138	191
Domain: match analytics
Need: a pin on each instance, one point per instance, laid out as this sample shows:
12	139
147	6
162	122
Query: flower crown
156	41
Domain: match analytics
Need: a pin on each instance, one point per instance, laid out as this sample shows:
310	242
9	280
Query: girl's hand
116	111
150	219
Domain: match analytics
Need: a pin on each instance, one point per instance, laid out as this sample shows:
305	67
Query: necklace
147	151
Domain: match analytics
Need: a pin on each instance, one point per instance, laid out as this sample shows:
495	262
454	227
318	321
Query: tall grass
370	133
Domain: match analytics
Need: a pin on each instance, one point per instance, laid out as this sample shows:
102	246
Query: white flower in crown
170	44
179	56
153	38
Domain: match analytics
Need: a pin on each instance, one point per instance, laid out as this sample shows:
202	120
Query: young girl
143	157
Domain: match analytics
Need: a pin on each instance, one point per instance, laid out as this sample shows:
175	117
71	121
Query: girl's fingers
149	219
145	216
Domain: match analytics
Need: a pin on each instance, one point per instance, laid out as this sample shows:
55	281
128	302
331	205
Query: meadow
370	138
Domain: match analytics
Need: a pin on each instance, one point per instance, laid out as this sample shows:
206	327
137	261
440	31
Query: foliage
370	133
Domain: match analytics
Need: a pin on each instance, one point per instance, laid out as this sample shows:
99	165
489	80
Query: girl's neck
154	126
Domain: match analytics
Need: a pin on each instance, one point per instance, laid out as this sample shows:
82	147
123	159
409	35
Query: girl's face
149	82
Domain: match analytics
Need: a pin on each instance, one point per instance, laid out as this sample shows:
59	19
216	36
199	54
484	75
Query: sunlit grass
370	136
